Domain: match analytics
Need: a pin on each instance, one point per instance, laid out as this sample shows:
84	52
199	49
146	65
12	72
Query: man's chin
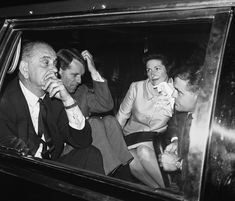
177	108
72	91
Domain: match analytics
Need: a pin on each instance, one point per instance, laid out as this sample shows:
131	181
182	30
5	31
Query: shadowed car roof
24	8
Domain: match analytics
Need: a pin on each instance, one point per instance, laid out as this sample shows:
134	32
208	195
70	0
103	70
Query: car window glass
118	51
221	150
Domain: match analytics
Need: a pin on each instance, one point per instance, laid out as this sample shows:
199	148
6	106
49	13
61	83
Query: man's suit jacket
16	127
179	126
96	100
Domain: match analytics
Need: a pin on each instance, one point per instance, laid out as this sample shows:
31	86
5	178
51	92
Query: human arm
77	138
126	106
55	88
12	131
171	135
99	99
179	145
91	66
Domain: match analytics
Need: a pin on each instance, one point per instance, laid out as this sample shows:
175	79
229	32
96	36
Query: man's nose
174	94
53	68
78	79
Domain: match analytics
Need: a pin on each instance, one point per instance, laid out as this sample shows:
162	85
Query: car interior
118	49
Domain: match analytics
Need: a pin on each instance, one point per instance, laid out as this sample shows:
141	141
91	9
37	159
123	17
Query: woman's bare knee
144	152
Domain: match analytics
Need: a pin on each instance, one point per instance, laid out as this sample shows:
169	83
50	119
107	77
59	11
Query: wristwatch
71	106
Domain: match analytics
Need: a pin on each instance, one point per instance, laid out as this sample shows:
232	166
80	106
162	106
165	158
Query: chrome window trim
7	51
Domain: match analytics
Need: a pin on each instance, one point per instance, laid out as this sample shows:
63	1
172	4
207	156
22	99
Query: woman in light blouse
143	113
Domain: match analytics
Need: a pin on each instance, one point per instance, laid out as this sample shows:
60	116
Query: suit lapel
25	127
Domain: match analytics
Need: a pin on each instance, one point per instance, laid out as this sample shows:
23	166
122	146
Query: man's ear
171	81
24	70
60	71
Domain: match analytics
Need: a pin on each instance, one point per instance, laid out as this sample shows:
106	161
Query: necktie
43	130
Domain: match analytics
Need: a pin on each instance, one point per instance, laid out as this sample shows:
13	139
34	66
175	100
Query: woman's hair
165	61
66	56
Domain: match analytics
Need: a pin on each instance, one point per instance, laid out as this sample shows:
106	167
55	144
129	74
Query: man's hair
163	58
190	71
66	56
27	48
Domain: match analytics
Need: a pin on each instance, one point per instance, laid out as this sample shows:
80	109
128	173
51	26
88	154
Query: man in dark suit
37	91
186	82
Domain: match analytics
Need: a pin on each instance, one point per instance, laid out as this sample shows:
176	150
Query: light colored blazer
141	110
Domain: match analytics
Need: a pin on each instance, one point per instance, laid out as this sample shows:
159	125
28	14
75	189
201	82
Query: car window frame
16	26
206	184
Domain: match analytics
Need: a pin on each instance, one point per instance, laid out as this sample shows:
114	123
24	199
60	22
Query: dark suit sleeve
80	138
100	99
172	129
9	130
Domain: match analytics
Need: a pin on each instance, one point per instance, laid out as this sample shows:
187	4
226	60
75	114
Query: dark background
7	3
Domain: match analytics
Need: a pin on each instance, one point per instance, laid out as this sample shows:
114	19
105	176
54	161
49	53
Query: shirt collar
31	98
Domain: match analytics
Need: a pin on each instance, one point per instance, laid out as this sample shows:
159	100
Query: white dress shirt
97	77
75	116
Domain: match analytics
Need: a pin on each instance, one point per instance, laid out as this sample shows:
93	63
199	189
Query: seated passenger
174	158
143	113
38	115
106	132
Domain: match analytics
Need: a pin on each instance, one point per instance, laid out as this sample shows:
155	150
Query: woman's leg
148	160
139	171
